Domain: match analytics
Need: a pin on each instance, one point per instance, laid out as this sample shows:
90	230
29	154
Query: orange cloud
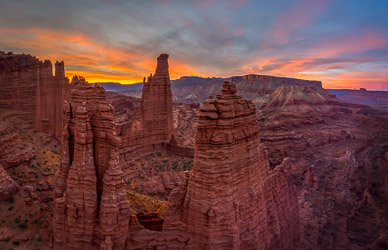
99	62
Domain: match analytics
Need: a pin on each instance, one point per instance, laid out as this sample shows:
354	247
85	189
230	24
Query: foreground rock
223	205
91	209
8	186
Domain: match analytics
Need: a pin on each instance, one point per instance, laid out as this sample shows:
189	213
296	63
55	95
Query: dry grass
146	204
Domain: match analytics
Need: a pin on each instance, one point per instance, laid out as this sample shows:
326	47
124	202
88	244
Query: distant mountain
115	86
362	96
194	89
255	87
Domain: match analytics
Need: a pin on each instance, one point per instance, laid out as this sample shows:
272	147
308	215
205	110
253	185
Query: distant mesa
362	96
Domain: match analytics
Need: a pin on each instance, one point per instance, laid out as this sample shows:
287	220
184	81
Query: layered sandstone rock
153	123
91	209
29	87
223	205
301	99
157	102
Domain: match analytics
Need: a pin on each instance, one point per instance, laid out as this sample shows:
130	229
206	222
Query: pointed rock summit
157	103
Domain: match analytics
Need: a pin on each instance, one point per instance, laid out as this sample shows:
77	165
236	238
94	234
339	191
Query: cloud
301	15
119	40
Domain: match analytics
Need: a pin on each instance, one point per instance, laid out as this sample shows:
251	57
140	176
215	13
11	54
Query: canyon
262	163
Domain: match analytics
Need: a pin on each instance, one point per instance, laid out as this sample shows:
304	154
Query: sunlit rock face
91	209
152	123
29	87
157	103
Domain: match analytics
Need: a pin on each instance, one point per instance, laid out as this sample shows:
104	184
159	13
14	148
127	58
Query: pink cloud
300	16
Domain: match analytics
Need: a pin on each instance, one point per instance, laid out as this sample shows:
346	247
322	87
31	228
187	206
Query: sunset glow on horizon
344	44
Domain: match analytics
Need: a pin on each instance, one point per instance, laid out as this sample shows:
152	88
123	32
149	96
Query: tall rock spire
157	103
224	206
91	210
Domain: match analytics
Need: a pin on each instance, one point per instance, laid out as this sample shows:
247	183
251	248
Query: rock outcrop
91	209
8	186
29	87
223	204
157	103
301	99
152	124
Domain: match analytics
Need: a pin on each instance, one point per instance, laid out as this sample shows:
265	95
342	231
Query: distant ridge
362	96
116	86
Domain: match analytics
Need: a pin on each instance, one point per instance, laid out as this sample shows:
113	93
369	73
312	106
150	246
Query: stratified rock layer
91	209
152	124
29	87
223	205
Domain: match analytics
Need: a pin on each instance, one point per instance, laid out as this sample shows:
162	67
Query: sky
343	43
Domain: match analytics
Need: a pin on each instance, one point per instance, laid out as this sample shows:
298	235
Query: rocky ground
339	167
338	160
31	159
185	116
156	174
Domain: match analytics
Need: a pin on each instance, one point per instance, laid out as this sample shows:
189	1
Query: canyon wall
91	209
30	88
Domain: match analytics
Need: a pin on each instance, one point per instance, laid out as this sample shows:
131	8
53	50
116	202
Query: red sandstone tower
157	103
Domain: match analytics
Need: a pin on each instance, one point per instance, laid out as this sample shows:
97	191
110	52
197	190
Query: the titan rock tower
157	103
91	210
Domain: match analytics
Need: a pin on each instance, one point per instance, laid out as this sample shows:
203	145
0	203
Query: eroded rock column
223	207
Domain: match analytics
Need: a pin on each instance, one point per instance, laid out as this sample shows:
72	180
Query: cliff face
29	87
91	209
301	99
